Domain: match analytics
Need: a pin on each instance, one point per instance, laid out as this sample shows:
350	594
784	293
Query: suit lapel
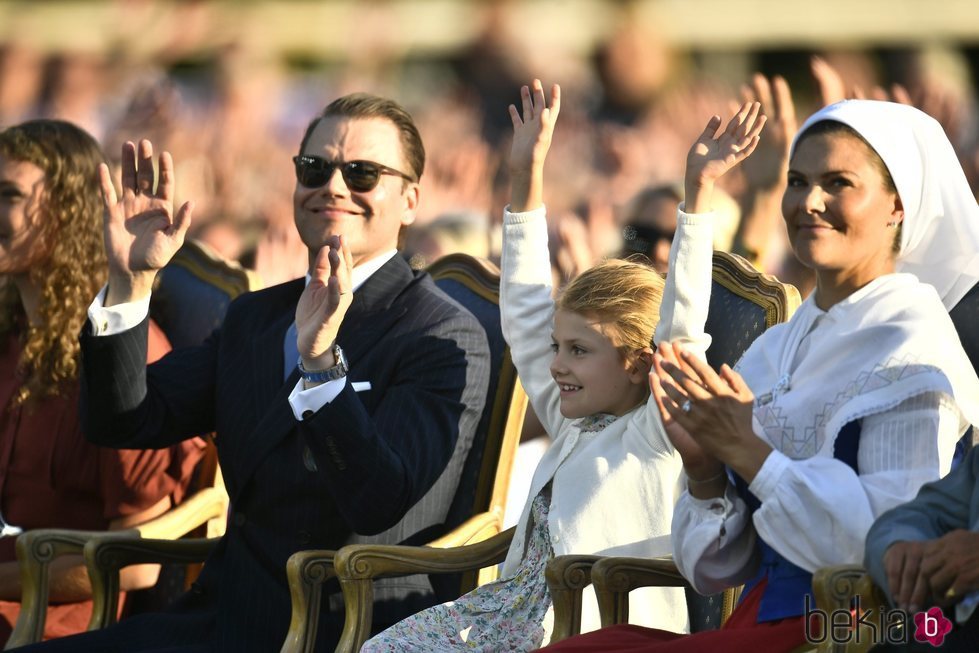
370	314
367	319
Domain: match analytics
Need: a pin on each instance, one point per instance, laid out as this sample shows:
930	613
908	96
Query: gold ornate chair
835	587
478	508
37	549
191	294
189	299
743	303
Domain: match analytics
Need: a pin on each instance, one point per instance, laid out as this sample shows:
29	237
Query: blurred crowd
233	118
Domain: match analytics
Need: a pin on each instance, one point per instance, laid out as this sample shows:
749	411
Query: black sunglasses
359	176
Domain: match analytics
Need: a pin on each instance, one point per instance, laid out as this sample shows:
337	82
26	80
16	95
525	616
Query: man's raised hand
142	233
324	303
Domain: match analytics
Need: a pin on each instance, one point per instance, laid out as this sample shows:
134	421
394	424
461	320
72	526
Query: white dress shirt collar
364	271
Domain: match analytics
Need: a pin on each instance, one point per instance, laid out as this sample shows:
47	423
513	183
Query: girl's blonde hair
75	266
623	295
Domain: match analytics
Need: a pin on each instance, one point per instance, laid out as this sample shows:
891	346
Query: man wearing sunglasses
344	404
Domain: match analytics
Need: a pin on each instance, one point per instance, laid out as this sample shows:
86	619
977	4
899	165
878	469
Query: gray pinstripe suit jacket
387	460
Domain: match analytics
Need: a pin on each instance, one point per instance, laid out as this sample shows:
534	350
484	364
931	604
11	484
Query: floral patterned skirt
505	615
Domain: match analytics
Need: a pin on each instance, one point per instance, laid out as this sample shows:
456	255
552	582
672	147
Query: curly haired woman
52	261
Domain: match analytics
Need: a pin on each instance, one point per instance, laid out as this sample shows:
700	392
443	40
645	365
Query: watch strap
338	371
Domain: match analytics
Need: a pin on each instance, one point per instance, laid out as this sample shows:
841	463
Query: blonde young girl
608	483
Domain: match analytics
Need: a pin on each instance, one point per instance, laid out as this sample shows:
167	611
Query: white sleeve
714	542
527	310
686	298
305	401
109	321
834	507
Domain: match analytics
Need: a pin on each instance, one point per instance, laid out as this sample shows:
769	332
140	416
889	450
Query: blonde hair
75	266
623	295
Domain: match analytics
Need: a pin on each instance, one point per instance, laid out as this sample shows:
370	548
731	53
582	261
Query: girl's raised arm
526	305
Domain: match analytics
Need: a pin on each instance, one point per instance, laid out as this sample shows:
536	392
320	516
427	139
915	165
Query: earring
892	224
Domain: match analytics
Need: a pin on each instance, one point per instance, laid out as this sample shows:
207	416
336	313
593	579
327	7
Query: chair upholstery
965	317
477	510
192	293
190	297
743	303
478	292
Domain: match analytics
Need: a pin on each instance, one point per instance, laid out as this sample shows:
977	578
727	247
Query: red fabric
50	476
741	633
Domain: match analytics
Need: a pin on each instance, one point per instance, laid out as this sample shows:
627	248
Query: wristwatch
338	371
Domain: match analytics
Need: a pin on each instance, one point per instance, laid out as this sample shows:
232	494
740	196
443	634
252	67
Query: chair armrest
836	588
38	548
566	577
35	551
357	565
307	572
206	504
615	577
367	561
107	554
475	529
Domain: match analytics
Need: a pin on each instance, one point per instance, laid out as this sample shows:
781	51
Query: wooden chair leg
358	597
567	576
307	572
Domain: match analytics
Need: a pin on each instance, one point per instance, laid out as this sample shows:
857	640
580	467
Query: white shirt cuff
309	401
715	507
111	320
766	481
539	213
694	219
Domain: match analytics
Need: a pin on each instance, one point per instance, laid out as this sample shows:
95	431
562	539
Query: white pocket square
360	386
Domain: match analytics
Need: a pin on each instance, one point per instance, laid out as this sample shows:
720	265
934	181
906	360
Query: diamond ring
686	406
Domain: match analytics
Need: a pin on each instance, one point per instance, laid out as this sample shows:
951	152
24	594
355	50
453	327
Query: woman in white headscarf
844	411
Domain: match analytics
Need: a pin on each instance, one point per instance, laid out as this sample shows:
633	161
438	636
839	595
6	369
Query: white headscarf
940	232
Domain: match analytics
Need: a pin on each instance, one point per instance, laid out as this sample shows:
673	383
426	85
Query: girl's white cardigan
612	491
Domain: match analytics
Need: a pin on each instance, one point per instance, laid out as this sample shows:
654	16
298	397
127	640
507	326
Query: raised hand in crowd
765	171
937	101
833	88
829	82
280	254
142	231
533	127
571	250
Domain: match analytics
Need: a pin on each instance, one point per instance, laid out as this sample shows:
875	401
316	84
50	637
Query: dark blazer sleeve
117	410
941	506
380	463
